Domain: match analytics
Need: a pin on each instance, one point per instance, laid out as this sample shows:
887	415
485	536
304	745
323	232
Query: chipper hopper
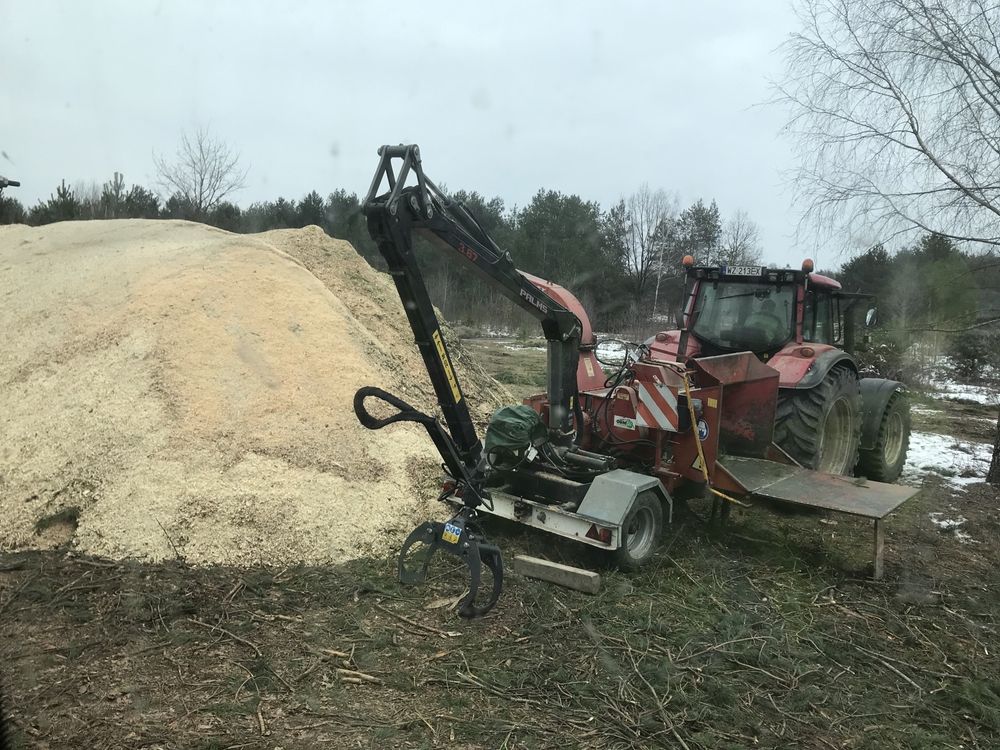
599	457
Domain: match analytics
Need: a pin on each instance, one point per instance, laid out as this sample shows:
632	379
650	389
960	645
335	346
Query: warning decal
446	364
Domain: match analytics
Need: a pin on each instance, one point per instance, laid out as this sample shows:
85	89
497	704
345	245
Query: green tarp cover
514	428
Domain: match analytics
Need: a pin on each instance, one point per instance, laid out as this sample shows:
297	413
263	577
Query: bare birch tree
648	216
896	109
203	172
740	244
993	474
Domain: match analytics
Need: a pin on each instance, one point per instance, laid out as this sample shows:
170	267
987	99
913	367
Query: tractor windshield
740	316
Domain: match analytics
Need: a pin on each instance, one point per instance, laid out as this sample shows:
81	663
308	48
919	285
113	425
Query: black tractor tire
820	427
884	463
641	532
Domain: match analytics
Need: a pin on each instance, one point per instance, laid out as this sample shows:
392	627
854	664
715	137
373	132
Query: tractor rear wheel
821	427
641	532
884	463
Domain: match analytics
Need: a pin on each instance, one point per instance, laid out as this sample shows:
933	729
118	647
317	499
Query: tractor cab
785	316
734	313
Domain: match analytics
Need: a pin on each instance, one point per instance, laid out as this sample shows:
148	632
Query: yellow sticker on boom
446	364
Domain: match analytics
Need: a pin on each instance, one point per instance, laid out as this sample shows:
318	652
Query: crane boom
394	216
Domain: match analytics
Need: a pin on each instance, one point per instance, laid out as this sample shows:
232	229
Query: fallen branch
13	594
280	679
717	646
232	635
420	625
660	708
170	541
353	674
888	666
260	722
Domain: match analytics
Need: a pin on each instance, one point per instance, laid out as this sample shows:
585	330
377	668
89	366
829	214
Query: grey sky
593	98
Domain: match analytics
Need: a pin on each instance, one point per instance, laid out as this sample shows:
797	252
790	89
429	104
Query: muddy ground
768	633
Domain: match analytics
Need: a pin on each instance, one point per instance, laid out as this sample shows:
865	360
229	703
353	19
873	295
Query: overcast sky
592	98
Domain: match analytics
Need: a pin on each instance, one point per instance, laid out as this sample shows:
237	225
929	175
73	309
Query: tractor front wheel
821	427
884	463
641	532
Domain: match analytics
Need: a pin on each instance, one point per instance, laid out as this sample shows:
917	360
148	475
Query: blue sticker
702	429
451	533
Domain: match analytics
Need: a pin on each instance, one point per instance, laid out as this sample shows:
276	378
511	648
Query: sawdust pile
167	388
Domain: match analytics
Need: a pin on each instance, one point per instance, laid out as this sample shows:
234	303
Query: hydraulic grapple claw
426	533
456	538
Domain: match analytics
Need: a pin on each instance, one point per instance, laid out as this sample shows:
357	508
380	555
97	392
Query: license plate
451	533
744	270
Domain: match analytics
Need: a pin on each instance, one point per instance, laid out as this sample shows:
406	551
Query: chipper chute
748	464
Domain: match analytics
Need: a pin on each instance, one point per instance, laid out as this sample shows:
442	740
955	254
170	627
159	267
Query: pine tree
112	204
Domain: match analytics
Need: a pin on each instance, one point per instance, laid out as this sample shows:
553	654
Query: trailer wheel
641	532
821	427
884	463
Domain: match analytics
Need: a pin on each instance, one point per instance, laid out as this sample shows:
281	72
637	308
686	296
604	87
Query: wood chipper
598	458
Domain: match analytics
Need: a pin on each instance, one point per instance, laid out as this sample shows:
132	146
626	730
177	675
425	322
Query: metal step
815	489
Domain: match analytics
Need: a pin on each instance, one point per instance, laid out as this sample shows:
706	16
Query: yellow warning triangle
697	464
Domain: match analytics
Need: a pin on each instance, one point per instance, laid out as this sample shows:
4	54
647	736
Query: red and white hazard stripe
657	406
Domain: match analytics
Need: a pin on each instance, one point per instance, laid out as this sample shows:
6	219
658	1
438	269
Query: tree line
933	297
623	262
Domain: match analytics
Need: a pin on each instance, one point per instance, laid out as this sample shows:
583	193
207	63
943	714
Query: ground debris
801	654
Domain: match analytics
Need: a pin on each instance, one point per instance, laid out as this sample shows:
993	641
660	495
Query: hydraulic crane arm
393	218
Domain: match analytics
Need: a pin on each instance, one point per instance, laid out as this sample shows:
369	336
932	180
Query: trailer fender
822	365
610	496
875	395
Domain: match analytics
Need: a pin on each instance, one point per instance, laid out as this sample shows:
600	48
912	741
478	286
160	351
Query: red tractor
751	401
801	324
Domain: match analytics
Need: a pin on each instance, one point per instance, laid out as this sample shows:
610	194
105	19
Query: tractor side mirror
871	317
616	352
611	352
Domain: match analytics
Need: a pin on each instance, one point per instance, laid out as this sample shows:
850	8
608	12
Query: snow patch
959	462
946	524
490	332
952	525
979	394
948	389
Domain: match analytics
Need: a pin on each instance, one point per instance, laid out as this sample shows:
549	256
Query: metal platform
814	489
794	485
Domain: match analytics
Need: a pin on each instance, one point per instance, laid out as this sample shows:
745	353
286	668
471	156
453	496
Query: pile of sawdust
167	388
